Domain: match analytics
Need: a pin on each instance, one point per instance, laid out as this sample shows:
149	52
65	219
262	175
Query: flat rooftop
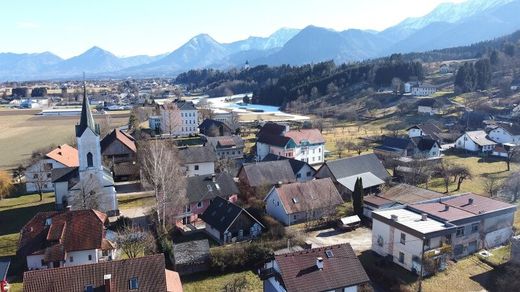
413	220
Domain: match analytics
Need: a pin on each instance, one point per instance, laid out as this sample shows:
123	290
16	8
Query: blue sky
130	27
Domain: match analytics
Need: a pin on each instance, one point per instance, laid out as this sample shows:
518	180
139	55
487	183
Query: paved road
360	239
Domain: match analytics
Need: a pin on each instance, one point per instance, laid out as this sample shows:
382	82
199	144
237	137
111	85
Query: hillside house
423	89
38	176
68	238
305	144
505	133
329	268
427	106
302	201
226	222
475	141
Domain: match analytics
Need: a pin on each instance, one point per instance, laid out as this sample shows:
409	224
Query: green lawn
14	214
202	283
134	201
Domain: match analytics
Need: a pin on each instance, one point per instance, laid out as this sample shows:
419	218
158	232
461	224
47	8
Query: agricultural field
22	132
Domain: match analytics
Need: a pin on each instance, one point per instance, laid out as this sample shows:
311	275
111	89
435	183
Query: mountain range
448	25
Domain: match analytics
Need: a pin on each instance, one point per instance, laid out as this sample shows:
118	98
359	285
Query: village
219	193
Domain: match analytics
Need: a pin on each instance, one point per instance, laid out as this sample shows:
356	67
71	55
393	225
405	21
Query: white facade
500	135
312	154
275	208
415	132
201	168
465	142
179	122
73	258
422	90
306	173
427	110
39	174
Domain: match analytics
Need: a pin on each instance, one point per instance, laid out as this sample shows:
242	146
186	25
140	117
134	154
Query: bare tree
40	173
512	155
6	184
511	187
88	193
105	125
460	173
491	185
135	242
234	122
443	170
162	170
204	108
224	165
171	118
340	146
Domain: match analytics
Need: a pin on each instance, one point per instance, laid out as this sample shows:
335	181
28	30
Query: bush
239	257
121	223
275	229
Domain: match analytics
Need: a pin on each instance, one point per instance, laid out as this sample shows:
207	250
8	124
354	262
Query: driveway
360	239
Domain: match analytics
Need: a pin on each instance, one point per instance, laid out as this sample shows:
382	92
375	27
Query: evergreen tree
493	58
357	197
483	74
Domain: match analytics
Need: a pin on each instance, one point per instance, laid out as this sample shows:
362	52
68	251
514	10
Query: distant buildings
423	89
179	118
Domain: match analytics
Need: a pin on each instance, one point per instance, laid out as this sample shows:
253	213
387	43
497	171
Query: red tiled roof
66	155
304	196
343	269
150	273
313	136
118	135
479	204
74	230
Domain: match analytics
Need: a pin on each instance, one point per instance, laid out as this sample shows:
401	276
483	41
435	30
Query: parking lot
360	239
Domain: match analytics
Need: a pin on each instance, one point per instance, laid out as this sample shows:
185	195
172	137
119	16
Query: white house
70	238
38	176
423	89
505	133
305	144
475	141
302	201
198	160
404	235
179	118
154	122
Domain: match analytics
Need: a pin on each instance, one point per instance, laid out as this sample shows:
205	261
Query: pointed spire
87	119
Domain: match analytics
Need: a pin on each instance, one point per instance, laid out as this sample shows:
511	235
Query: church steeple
86	120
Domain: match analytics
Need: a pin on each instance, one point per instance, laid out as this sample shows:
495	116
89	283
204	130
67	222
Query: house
395	147
444	69
230	118
344	173
475	141
399	195
301	169
138	274
266	174
227	222
191	257
426	130
481	222
423	89
38	176
227	147
302	201
63	180
505	133
330	268
214	128
119	150
427	106
68	238
154	123
179	118
198	160
200	190
407	237
305	144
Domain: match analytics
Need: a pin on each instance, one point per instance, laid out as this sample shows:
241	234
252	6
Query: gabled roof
268	173
429	129
408	194
369	180
203	187
149	270
86	119
426	102
272	134
64	174
118	135
356	165
271	128
221	213
185	105
226	141
511	128
305	196
207	124
396	143
65	154
341	269
311	136
197	154
424	144
296	165
480	138
54	233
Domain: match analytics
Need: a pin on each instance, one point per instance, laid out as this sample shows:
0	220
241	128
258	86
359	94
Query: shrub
239	257
275	229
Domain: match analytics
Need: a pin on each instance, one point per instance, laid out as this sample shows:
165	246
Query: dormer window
133	283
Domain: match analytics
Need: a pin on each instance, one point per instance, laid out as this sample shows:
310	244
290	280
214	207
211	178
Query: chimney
424	217
213	177
279	184
107	280
319	263
394	218
470	201
446	207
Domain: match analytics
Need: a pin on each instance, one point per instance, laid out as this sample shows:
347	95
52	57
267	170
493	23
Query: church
91	185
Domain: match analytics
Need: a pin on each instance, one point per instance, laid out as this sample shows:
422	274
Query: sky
132	27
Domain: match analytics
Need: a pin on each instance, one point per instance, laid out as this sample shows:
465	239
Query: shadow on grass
384	273
488	279
12	220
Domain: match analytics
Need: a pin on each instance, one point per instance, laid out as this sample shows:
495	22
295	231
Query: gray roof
226	141
86	119
269	172
203	187
369	180
191	252
480	138
356	165
221	214
197	154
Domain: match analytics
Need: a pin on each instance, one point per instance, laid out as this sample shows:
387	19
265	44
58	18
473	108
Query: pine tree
483	74
357	197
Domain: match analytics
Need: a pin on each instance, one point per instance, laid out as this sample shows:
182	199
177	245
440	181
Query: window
35	175
90	160
187	208
380	240
89	288
89	257
309	173
401	257
71	259
199	205
42	263
196	167
403	238
427	242
460	232
474	227
299	175
134	284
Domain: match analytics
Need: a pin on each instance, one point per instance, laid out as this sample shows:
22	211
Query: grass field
135	201
22	132
14	214
203	283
